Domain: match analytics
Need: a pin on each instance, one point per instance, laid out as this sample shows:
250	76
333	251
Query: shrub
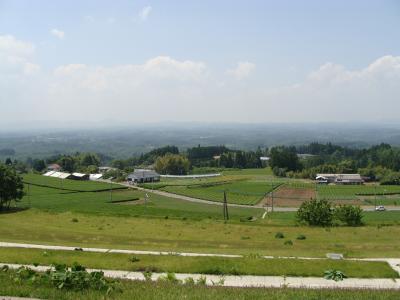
301	237
134	259
279	235
288	242
61	277
334	275
75	220
315	213
147	275
349	215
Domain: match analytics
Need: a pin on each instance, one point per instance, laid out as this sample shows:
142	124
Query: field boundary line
247	280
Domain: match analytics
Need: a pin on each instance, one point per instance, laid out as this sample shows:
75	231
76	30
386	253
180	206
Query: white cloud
145	12
242	70
57	33
165	88
9	44
14	57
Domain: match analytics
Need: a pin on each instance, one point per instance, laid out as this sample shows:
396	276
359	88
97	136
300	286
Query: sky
199	61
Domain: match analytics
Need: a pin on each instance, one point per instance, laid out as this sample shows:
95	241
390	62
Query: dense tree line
380	162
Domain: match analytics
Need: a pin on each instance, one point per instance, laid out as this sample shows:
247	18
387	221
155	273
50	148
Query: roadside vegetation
251	264
171	291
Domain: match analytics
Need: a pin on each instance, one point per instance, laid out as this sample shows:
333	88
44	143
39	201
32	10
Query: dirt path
251	281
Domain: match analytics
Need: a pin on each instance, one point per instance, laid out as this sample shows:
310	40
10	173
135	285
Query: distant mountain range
127	140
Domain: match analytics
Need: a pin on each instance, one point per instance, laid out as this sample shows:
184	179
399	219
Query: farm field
68	184
253	186
170	291
250	265
239	192
125	202
351	192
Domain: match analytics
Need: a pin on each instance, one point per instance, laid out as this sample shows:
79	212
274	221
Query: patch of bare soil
288	197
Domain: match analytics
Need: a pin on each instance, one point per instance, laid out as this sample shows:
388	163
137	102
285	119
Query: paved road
252	281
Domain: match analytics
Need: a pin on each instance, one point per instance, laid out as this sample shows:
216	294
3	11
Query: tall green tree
284	158
11	187
173	164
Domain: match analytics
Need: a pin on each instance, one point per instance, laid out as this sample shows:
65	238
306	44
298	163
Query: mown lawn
206	236
250	265
168	291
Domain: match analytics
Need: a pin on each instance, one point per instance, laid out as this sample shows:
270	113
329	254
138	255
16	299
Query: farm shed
95	176
142	175
61	175
80	176
339	178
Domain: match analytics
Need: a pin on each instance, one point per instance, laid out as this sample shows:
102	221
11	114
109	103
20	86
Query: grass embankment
169	291
251	265
206	236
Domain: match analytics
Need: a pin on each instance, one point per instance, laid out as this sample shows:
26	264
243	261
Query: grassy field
206	236
238	192
55	200
355	191
251	265
246	186
170	291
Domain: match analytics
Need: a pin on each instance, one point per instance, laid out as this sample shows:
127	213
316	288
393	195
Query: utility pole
111	190
225	207
29	196
272	197
375	194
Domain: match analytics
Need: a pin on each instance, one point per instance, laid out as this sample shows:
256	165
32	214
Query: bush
349	215
279	235
334	275
134	259
61	277
315	213
288	242
301	237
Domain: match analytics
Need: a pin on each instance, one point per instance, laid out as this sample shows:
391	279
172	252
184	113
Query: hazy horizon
152	61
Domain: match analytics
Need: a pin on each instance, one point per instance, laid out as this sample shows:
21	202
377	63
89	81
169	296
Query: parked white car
380	208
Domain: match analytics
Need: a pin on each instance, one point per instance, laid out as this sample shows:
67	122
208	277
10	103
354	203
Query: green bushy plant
349	215
315	213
